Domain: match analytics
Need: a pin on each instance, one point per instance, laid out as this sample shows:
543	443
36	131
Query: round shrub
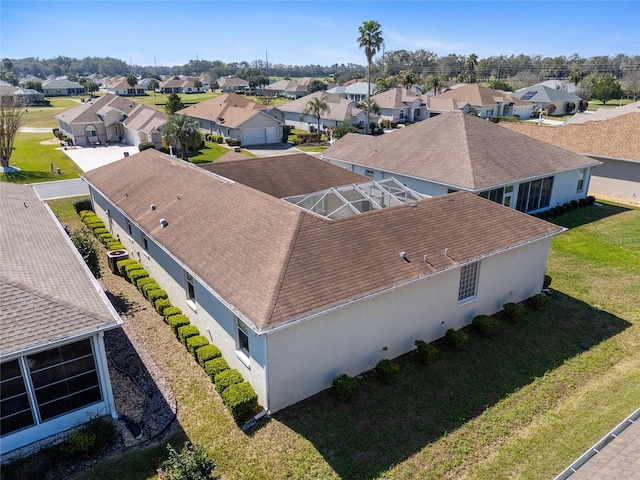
539	301
574	204
187	331
583	202
487	325
591	200
112	246
426	353
193	344
100	230
345	387
456	339
226	378
206	353
148	287
215	366
241	400
145	146
86	213
106	238
513	312
388	370
569	107
551	109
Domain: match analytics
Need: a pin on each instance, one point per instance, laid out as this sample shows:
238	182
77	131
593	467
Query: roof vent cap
152	207
163	222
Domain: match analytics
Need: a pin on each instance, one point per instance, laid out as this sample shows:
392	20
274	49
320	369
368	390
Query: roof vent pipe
163	222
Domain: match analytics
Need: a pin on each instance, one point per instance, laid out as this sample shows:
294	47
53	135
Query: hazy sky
303	32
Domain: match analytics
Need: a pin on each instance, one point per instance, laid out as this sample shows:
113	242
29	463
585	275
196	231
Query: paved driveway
272	149
88	158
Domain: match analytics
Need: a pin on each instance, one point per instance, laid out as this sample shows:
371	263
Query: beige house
182	85
341	111
489	103
297	281
53	316
400	105
232	84
112	118
120	86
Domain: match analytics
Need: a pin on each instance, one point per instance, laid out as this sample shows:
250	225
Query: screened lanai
340	202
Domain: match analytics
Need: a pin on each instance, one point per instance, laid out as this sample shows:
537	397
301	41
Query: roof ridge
467	145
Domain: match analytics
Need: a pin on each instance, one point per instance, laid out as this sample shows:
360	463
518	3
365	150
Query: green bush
574	204
149	287
145	146
206	353
88	249
591	200
177	321
241	400
215	366
161	304
137	274
191	463
186	331
456	339
345	387
172	310
106	238
232	142
121	264
227	377
86	213
539	301
153	295
100	231
195	343
426	353
112	246
132	266
388	370
513	311
583	202
89	438
144	281
485	324
547	281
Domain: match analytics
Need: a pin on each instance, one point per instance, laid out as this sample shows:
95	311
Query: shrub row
97	226
214	138
566	207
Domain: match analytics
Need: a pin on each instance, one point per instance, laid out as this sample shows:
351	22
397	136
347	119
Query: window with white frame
581	176
145	243
191	291
242	340
468	281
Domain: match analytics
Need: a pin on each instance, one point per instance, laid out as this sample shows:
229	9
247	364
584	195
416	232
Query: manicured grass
34	160
210	152
41	117
522	404
160	99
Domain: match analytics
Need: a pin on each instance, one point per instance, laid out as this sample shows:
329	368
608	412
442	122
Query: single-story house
237	117
341	111
611	137
120	86
30	78
62	88
543	97
183	85
400	105
283	286
53	315
458	151
356	91
22	96
232	84
436	106
112	118
286	88
489	103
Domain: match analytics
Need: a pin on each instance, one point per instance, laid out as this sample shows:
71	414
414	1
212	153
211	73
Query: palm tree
433	82
132	80
184	131
471	63
371	40
373	106
317	107
153	84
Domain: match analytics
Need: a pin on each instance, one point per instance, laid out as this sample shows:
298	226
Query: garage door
272	135
254	136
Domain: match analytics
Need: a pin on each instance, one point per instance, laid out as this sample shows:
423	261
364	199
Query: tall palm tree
370	105
435	83
317	107
371	40
471	63
184	131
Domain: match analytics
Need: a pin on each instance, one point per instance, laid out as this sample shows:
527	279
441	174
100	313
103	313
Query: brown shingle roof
476	94
274	262
616	137
395	98
234	109
88	113
340	109
285	175
46	290
459	150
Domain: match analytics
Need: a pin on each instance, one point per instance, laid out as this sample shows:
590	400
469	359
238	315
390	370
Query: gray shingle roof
543	93
275	262
46	289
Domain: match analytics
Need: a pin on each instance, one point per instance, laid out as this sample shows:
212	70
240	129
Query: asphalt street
61	189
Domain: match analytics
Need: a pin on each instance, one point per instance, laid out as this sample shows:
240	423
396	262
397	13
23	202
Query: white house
299	289
356	91
61	87
120	86
341	111
53	315
457	151
400	105
543	97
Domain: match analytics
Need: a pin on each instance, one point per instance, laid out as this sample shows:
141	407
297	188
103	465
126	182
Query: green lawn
522	404
34	160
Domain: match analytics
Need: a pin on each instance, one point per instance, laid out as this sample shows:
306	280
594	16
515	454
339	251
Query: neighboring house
297	290
356	91
232	84
22	96
53	315
400	105
560	85
341	111
237	117
182	85
286	88
112	118
489	103
30	78
120	86
542	96
612	137
61	88
436	106
458	151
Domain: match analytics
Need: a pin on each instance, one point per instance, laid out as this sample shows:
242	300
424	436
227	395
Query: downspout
104	372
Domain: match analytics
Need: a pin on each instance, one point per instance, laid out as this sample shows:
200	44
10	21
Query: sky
318	32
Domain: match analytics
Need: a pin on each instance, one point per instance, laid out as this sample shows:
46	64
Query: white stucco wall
304	358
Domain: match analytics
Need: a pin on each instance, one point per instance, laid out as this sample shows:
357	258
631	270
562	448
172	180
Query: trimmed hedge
226	378
485	324
513	311
539	301
137	274
87	213
206	353
161	304
456	339
241	400
345	387
82	205
154	295
111	246
426	352
172	310
388	370
177	321
106	238
186	331
148	287
195	343
121	264
145	281
100	231
215	366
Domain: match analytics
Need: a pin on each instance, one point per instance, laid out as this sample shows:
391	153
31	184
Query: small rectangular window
145	243
243	337
468	281
191	292
581	176
129	229
369	173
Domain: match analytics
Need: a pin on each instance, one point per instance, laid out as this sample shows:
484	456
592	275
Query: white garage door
272	135
254	136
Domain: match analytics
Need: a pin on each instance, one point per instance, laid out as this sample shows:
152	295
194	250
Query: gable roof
284	175
544	93
340	109
458	150
274	263
617	137
395	98
478	95
286	86
61	83
46	289
232	82
229	109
